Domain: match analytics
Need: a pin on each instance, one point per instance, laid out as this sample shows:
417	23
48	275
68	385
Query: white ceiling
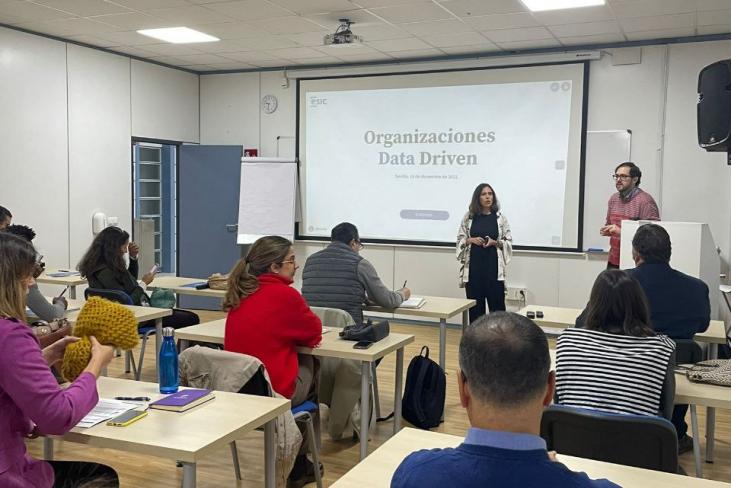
274	33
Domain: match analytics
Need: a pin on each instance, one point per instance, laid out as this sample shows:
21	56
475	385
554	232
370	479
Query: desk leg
183	344
397	393
365	375
48	449
696	441
188	475
72	292
270	478
158	345
465	319
442	342
711	415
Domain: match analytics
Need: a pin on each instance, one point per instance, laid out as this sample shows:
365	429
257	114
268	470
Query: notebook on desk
413	302
183	400
63	274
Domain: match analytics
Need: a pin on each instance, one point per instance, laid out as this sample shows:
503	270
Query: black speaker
714	106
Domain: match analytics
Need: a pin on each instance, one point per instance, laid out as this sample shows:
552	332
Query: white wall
688	183
65	145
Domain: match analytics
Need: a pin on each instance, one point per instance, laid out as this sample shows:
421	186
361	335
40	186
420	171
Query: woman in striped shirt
616	363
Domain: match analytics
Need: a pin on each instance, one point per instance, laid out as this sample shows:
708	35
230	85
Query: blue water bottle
167	363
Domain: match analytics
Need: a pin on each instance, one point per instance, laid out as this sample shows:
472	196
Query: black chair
632	440
121	297
687	351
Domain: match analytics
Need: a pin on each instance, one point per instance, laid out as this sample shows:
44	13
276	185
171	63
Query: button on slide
408	214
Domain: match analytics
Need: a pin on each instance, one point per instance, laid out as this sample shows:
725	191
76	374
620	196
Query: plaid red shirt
640	206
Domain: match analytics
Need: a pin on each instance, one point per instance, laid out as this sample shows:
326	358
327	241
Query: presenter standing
629	203
484	249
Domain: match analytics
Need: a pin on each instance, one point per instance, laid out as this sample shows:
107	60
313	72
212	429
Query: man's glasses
621	177
359	245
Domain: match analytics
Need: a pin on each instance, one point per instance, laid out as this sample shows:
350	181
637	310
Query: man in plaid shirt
629	203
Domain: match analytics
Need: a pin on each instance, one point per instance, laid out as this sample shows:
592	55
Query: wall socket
516	293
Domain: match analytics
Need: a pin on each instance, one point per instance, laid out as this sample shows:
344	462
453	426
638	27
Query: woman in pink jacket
31	402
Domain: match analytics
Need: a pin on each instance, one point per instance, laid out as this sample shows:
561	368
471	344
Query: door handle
232	227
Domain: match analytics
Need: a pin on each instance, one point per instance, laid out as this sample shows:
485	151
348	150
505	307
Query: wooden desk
176	283
441	308
378	469
187	436
562	317
142	314
71	281
334	347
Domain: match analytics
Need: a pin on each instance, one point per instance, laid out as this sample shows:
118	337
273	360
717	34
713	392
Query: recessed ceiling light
178	35
540	5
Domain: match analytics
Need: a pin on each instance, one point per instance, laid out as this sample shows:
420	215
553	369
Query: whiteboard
605	149
267	198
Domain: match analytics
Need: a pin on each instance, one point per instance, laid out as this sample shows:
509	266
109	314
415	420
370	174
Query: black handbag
366	331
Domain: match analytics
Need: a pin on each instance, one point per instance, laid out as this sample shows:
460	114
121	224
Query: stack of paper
413	302
104	410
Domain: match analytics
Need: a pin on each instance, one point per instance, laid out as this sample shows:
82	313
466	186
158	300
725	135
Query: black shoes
303	472
685	444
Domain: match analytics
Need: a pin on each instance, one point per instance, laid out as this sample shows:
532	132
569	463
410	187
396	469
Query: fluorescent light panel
541	5
178	35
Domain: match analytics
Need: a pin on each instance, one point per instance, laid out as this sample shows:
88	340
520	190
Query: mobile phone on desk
362	345
127	418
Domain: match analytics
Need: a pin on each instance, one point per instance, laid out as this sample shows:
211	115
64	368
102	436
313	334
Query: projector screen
399	155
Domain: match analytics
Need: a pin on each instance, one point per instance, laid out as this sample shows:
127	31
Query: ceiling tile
71	27
463	39
412	13
84	8
233	30
249	10
127	38
656	23
295	53
271	63
595	39
708	30
586	29
382	33
316	61
467	8
525	45
651	8
189	15
307	39
133	21
395	45
364	58
232	65
715	17
92	40
289	25
266	42
225	46
573	16
314	6
172	60
419	53
502	21
30	12
171	49
514	35
152	4
437	27
251	57
201	59
382	3
134	51
485	47
660	34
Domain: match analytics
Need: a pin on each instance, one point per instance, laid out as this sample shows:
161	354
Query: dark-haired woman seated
616	363
104	267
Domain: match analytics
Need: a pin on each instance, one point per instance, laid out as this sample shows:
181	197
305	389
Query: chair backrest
333	317
117	296
632	440
687	351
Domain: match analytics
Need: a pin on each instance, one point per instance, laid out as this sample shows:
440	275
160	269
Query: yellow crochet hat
111	324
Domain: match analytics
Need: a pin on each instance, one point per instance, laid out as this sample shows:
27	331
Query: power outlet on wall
517	293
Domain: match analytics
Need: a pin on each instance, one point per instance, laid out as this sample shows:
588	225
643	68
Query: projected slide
401	162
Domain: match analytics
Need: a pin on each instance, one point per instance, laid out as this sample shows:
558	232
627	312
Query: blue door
208	202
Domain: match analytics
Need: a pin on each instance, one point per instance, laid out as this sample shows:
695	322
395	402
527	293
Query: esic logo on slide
315	101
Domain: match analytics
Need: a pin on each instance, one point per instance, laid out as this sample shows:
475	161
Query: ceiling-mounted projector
343	36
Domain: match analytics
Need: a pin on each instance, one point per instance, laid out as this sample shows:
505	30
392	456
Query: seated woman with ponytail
268	319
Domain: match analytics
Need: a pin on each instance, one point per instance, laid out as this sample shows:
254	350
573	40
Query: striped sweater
612	373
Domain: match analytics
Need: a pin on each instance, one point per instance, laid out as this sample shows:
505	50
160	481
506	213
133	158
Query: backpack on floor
423	403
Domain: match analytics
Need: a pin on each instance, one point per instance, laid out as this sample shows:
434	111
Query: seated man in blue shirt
504	383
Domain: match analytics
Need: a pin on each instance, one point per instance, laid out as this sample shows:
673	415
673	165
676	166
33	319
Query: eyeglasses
293	260
621	177
359	245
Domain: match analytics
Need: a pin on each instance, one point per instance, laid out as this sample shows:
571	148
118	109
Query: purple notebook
183	400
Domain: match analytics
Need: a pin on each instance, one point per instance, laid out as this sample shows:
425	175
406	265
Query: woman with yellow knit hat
31	401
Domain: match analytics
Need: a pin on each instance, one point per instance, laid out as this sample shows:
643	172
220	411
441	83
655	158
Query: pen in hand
62	293
404	284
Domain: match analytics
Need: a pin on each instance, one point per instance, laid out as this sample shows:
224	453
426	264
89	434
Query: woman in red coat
268	319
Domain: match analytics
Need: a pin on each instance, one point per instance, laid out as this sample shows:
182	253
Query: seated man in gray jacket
339	277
